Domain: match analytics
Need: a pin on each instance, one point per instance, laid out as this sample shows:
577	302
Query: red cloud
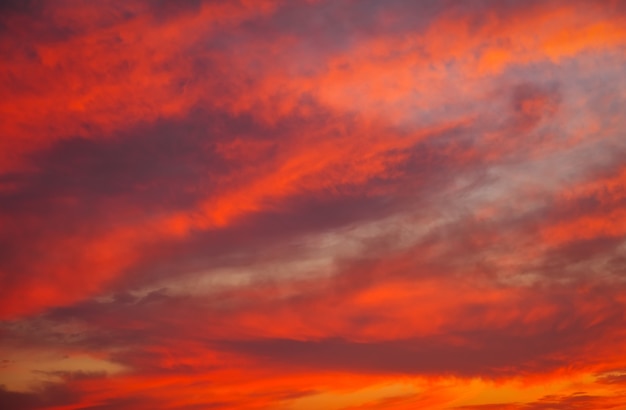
316	204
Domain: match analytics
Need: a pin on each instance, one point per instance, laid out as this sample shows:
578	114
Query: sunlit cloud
312	204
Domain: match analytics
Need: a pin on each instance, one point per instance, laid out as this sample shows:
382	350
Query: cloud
578	400
46	396
264	204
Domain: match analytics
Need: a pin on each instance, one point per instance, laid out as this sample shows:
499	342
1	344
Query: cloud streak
312	204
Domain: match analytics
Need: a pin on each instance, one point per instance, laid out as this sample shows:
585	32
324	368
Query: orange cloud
315	204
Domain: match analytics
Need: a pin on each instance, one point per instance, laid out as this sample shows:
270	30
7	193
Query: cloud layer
313	204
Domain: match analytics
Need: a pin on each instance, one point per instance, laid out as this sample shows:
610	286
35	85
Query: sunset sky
313	205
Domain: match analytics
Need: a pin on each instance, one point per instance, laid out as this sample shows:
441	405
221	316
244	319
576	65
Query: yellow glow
337	400
27	369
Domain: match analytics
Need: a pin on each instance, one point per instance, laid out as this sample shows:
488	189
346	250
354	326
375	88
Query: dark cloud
45	396
13	6
490	354
164	10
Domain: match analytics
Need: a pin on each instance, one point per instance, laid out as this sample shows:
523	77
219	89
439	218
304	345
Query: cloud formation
312	204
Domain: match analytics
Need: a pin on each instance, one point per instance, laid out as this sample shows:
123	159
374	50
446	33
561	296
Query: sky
304	205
